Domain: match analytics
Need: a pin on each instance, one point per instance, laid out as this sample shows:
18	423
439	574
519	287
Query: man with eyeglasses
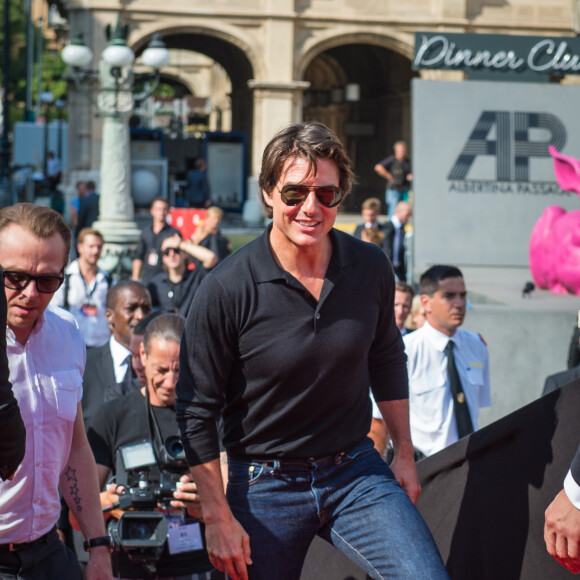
46	355
173	289
283	339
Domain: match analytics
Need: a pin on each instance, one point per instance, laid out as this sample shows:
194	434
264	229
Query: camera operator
148	414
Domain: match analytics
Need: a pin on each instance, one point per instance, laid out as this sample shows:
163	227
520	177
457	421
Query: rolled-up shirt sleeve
387	359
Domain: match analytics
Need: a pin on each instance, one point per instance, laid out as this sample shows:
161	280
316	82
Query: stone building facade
290	60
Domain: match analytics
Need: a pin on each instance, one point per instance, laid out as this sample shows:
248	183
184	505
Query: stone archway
380	68
233	56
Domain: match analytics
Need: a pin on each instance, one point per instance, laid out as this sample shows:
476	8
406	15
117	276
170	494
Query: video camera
142	532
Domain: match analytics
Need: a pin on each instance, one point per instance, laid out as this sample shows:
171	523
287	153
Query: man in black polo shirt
173	288
148	414
147	261
284	339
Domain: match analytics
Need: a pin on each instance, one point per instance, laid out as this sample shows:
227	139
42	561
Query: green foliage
162	90
52	66
17	26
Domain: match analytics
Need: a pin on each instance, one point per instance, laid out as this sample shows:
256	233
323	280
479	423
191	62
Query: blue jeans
393	197
352	500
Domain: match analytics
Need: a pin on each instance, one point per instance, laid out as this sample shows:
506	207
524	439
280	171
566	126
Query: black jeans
47	559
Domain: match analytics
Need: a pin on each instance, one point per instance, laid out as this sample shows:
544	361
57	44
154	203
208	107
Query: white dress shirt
572	489
398	239
432	416
46	374
53	166
94	328
121	359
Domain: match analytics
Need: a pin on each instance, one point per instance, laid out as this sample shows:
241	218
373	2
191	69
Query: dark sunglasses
327	195
169	251
20	280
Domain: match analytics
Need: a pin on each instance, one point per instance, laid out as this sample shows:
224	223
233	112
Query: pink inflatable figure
555	240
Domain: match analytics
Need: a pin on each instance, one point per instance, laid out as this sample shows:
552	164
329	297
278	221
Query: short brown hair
161	199
372	203
40	221
311	141
406	288
88	232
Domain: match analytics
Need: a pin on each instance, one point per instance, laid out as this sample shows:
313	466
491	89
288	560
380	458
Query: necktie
128	368
397	246
462	416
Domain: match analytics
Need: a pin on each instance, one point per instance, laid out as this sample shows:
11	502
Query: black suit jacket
558	380
359	229
553	383
388	246
99	376
575	467
12	430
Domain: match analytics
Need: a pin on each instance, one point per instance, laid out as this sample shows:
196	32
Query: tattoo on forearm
71	477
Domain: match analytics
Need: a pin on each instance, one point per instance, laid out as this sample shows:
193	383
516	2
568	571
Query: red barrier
186	220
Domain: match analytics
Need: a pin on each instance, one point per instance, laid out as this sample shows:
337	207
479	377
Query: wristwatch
91	543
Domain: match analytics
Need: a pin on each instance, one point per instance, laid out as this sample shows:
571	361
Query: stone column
275	106
116	213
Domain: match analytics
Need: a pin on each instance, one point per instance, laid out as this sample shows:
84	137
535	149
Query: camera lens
175	448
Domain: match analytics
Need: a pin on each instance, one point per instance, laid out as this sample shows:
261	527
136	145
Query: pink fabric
554	249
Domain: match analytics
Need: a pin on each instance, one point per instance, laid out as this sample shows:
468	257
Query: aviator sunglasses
327	195
20	280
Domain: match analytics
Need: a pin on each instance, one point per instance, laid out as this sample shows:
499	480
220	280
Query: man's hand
403	466
228	546
171	242
111	496
188	498
99	564
562	532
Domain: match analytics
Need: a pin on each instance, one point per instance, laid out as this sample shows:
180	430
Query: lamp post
115	102
46	98
59	105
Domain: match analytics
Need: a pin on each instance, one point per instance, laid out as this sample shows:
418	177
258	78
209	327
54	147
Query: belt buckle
12	547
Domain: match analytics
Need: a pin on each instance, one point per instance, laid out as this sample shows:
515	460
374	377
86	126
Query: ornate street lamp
115	102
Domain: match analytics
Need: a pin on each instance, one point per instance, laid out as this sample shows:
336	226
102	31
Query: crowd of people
211	386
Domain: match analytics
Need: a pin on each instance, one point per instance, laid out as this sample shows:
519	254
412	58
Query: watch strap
91	543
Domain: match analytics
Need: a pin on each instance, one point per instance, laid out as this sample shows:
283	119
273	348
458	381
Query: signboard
226	169
505	57
482	174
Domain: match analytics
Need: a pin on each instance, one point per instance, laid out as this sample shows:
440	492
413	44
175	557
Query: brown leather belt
26	545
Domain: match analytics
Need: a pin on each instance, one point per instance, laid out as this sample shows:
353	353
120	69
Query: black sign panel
498	56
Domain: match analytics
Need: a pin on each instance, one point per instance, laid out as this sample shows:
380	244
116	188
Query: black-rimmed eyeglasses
327	195
20	280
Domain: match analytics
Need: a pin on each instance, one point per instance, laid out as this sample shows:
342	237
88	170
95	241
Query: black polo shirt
177	297
149	249
291	375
